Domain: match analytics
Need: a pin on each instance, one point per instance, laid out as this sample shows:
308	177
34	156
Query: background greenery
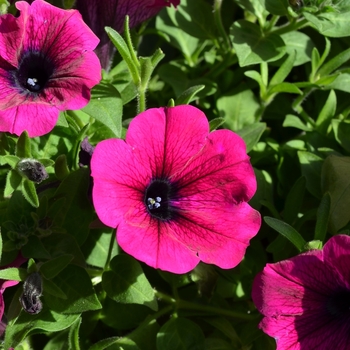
276	73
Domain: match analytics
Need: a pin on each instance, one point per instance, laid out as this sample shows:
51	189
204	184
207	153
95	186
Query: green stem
219	25
291	27
298	108
272	23
141	105
182	304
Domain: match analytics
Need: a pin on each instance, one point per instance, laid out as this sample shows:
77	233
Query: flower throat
34	72
157	199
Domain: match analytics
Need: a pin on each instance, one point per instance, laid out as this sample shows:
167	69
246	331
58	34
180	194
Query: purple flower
306	299
47	65
177	193
111	13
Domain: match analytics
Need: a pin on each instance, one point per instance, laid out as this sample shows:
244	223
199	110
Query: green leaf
284	87
117	342
342	132
327	113
59	243
47	321
195	19
252	46
51	288
106	106
311	166
23	146
294	200
189	95
13	180
29	193
283	70
336	181
323	214
104	343
295	122
77	211
35	249
76	285
180	334
327	80
127	284
13	274
129	315
341	82
253	74
334	63
123	50
251	134
96	246
177	37
73	335
334	24
238	108
287	231
10	160
276	7
53	267
61	167
216	123
256	7
299	43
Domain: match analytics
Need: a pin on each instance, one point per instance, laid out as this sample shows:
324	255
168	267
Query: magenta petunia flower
47	65
306	299
177	193
111	13
5	284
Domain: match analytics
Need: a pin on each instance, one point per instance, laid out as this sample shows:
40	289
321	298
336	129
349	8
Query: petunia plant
174	174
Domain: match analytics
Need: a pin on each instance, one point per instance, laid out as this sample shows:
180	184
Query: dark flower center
34	72
339	303
157	199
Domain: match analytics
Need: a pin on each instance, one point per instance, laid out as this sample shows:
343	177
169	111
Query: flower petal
10	38
336	254
154	243
292	286
119	180
17	119
157	132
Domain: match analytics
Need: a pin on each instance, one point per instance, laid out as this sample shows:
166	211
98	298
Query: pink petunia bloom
47	65
111	13
5	284
177	193
306	299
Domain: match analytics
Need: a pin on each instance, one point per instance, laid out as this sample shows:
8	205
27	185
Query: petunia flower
306	299
5	284
99	14
47	65
177	193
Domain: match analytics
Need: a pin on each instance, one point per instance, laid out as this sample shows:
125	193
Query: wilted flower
32	169
306	299
47	65
177	193
111	13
